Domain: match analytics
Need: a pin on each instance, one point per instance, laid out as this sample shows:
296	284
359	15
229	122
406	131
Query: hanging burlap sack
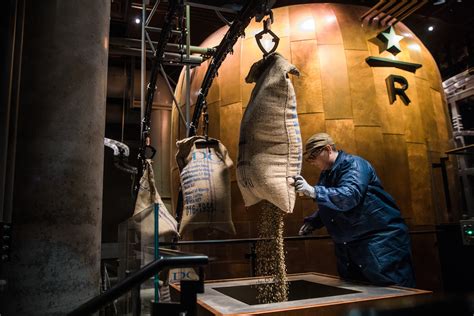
270	149
143	215
205	182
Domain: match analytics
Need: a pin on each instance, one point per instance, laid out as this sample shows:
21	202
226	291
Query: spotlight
137	20
430	28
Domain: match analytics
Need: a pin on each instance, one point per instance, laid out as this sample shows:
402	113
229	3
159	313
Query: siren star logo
391	40
396	85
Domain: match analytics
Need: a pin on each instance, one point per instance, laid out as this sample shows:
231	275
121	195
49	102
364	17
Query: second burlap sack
270	148
147	201
205	182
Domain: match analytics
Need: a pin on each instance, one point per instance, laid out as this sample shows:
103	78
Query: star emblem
391	39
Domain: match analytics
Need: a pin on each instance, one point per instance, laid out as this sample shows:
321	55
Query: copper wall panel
441	120
396	176
361	82
284	49
197	76
335	82
302	23
428	115
311	124
432	70
414	131
391	115
369	142
304	55
282	28
417	57
353	35
229	74
342	132
230	117
160	139
327	26
252	55
214	111
420	184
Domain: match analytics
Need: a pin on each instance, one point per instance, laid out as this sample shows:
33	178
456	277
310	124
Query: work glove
302	186
306	229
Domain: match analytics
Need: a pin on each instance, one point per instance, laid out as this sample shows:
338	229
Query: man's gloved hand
306	229
302	186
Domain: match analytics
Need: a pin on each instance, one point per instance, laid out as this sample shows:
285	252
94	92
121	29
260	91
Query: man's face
320	158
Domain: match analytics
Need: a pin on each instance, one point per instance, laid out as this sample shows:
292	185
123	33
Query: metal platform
311	293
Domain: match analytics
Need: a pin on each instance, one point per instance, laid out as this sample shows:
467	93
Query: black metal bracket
266	30
6	241
246	14
386	62
444	174
252	256
175	8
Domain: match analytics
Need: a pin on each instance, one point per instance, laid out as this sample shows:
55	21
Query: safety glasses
314	154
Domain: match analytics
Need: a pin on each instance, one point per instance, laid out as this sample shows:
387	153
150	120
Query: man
371	239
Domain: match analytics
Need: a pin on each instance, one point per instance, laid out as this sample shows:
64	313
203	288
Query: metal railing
172	258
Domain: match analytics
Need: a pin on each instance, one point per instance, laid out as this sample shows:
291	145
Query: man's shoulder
349	159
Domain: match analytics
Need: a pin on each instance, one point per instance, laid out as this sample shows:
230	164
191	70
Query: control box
467	231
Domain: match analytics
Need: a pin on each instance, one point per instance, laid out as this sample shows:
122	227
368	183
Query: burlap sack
270	149
143	216
205	183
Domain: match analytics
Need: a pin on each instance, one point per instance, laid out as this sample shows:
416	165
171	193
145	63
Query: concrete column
57	202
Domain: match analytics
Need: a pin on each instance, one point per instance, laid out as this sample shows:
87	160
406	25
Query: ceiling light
330	18
137	20
415	47
307	25
430	28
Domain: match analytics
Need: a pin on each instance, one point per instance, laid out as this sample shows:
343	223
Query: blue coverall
371	239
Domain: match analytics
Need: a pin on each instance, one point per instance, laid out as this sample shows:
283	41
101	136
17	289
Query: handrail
174	259
253	240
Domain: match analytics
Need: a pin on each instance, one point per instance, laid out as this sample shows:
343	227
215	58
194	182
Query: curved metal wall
339	93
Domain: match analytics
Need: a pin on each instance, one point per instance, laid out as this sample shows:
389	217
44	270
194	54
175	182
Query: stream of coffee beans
271	256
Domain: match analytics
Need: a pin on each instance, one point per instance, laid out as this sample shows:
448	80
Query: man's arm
314	219
349	191
311	223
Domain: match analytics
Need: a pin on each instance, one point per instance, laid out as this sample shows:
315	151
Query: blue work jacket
371	239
